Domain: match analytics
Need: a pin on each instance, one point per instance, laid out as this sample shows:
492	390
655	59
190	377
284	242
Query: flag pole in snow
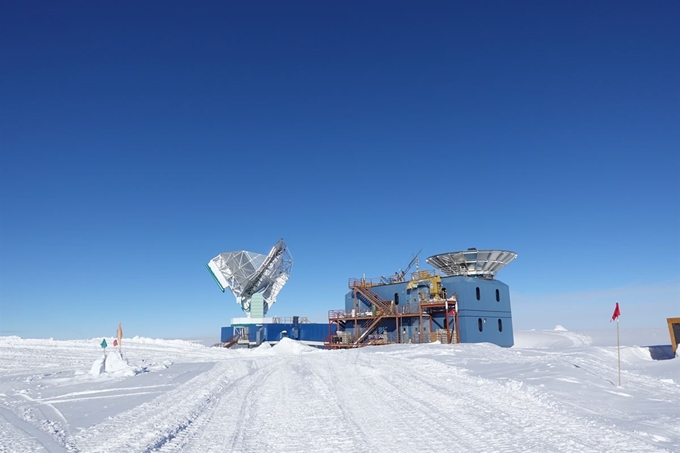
618	348
615	316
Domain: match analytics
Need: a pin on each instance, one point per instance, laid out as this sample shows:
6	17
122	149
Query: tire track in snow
282	392
599	367
24	437
288	404
325	412
502	415
40	420
477	420
224	423
389	418
152	424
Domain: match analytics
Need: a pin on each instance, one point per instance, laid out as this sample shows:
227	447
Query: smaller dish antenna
472	262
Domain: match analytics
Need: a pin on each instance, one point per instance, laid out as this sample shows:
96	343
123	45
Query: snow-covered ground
555	391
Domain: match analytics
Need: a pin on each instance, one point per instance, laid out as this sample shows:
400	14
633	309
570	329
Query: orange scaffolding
364	324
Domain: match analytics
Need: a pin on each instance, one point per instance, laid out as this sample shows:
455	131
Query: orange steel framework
366	323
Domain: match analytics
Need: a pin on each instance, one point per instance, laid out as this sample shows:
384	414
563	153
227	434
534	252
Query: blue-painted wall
227	333
493	304
272	332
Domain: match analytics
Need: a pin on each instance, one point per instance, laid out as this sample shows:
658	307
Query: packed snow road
291	398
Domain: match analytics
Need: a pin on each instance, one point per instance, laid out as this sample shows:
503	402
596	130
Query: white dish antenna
472	262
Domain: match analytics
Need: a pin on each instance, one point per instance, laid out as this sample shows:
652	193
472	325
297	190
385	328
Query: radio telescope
254	279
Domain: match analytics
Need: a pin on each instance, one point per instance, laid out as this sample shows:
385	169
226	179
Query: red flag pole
618	348
615	316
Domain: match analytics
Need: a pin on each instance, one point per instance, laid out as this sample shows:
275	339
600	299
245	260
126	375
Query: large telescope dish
247	274
472	262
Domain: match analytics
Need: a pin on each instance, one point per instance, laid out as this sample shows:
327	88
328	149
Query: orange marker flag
120	336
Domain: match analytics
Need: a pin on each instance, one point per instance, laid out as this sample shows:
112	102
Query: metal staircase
382	308
368	330
232	341
365	294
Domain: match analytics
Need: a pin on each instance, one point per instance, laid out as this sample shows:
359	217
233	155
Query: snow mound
265	348
288	346
112	363
633	353
557	339
660	352
98	366
559	328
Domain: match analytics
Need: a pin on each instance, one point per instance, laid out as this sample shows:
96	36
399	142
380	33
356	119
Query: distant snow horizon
605	336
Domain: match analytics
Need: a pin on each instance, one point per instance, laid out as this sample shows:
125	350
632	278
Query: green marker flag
103	343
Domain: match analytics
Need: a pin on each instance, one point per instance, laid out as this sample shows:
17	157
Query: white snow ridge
555	391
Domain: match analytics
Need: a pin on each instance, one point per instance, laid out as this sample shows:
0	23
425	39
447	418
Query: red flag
617	313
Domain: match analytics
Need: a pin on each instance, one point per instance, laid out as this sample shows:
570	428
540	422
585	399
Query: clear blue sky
139	141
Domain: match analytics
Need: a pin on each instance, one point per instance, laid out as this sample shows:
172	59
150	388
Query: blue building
253	332
459	302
